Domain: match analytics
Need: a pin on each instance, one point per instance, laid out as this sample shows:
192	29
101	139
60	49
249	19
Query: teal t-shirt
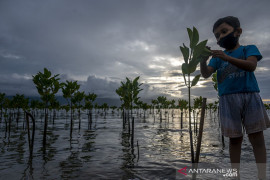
232	79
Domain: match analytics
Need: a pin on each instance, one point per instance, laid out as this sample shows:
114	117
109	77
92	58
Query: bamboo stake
30	140
199	138
200	131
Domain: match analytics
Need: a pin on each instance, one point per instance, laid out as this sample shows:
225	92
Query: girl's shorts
242	111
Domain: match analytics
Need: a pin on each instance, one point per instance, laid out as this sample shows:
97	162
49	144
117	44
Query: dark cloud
106	41
12	84
102	87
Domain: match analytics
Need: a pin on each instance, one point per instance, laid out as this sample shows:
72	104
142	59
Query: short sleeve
213	63
252	50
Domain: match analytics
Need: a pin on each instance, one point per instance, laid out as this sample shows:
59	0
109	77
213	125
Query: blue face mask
228	42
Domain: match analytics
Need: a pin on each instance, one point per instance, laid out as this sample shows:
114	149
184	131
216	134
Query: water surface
103	150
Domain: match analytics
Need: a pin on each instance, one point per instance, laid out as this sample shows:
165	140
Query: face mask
228	42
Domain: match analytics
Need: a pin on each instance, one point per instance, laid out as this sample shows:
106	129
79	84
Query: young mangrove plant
197	105
69	89
19	102
47	85
77	101
161	105
88	104
54	105
154	105
2	97
128	92
192	56
183	106
34	105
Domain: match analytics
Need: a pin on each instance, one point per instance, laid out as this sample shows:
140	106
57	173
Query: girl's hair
230	20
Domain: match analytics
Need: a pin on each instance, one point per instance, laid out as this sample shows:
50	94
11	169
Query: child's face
223	30
227	37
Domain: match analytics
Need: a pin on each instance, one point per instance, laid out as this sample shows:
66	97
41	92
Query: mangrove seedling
196	52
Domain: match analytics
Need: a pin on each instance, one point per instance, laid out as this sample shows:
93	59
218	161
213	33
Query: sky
100	43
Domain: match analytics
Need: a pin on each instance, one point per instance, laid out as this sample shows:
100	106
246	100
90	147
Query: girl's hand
205	58
220	54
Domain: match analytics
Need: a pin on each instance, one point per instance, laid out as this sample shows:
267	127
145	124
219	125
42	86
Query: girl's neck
236	47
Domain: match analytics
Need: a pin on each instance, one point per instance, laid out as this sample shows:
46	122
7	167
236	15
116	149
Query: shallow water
103	151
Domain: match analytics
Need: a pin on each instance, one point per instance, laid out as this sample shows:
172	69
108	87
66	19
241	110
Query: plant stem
190	131
45	129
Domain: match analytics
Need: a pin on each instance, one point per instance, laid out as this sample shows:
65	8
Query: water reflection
102	150
70	167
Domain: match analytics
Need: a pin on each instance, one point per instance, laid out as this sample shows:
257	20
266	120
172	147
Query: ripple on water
104	150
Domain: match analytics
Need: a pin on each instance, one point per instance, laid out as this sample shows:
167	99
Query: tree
154	104
144	106
34	104
161	104
128	92
198	102
19	102
2	97
69	89
47	85
77	100
54	105
192	56
88	104
183	104
104	107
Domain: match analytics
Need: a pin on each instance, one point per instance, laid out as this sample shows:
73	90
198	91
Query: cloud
101	86
12	84
92	41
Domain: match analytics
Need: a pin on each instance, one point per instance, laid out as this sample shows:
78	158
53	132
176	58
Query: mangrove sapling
17	101
161	105
182	105
88	104
78	98
192	56
197	106
34	105
105	108
128	92
2	97
172	106
66	108
9	123
154	104
69	89
144	107
6	106
54	105
47	86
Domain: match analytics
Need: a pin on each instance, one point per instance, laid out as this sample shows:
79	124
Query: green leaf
185	79
47	73
214	79
216	87
192	66
185	69
195	80
185	52
199	49
190	34
195	38
206	50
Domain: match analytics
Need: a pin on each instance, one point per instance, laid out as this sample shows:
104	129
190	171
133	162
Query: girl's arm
206	71
249	64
